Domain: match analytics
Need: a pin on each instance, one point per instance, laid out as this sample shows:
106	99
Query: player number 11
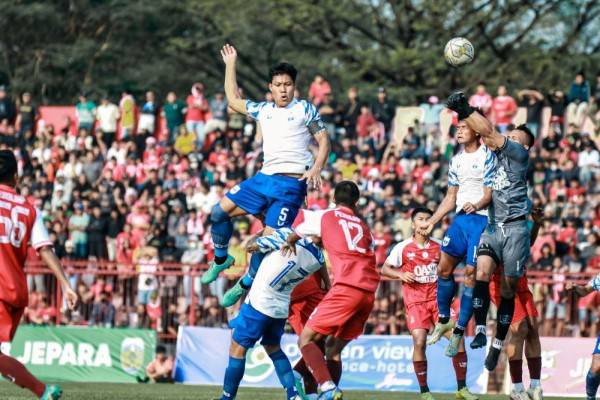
352	241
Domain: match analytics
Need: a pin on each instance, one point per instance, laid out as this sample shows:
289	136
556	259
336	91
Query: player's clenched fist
229	54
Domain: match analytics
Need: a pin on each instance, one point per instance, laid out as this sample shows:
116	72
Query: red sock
335	369
421	372
315	360
516	370
459	361
534	365
310	385
16	372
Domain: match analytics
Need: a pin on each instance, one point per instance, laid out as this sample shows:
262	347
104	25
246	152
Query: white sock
534	383
518	387
497	344
480	329
327	386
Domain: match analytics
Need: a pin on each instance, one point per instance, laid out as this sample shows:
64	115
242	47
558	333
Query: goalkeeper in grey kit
506	239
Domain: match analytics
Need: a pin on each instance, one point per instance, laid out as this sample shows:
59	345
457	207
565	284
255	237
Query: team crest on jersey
500	180
411	255
446	241
235	189
425	255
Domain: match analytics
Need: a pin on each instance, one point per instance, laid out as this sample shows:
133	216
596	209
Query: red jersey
20	225
348	242
421	260
309	287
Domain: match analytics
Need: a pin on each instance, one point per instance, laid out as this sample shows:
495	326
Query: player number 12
352	241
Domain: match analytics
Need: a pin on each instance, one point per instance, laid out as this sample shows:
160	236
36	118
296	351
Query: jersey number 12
352	241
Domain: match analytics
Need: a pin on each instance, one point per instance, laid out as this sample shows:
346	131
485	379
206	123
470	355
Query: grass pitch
113	391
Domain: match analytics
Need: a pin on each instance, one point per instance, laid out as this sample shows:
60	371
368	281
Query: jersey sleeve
308	223
273	241
253	108
452	174
515	152
395	258
595	282
39	233
488	168
310	113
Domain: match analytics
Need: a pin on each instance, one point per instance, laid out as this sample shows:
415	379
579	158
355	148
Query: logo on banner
258	365
132	355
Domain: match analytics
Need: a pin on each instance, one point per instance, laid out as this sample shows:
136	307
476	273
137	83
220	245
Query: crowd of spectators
134	184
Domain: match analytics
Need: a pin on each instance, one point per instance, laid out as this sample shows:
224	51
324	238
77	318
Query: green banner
83	354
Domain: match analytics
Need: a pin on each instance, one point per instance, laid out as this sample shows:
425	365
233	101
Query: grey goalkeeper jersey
509	195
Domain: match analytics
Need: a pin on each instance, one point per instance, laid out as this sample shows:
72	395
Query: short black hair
419	210
161	349
8	165
283	69
530	135
346	193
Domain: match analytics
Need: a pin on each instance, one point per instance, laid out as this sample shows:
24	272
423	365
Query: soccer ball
459	51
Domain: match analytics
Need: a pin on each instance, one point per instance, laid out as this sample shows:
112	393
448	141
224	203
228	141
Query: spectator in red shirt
318	89
382	241
197	114
504	109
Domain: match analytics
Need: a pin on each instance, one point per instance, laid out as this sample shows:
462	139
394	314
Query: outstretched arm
49	258
234	100
313	176
448	204
477	122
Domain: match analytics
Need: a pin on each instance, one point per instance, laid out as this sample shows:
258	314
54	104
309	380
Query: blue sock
466	309
284	373
221	230
255	261
591	384
445	293
233	376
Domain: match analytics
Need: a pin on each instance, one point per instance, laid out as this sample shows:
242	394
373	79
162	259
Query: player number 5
352	241
14	229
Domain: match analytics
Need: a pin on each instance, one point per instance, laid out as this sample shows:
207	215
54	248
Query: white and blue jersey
286	140
471	172
595	284
267	305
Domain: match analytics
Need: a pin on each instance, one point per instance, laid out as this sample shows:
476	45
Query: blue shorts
250	325
597	348
463	236
279	197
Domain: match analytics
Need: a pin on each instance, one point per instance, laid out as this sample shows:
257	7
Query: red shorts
425	315
301	309
9	321
343	312
524	305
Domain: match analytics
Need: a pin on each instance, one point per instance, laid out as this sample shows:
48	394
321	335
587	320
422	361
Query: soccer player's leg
454	249
515	253
514	351
533	351
592	380
271	342
240	200
420	319
11	369
459	362
300	312
487	260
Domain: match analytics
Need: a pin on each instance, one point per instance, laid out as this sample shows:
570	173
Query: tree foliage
58	48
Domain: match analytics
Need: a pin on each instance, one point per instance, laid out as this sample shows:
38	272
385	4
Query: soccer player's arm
392	267
40	241
234	100
591	286
317	129
449	202
489	168
537	215
458	102
308	223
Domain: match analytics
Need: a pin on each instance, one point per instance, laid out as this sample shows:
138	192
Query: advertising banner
369	363
83	354
565	363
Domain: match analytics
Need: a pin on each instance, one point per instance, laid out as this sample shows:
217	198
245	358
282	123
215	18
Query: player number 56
14	229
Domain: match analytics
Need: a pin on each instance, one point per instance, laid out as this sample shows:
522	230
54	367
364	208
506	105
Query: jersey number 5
352	241
14	228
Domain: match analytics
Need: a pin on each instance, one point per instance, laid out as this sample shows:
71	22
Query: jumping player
592	380
524	337
346	307
279	189
305	298
22	226
415	262
265	311
506	239
469	193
